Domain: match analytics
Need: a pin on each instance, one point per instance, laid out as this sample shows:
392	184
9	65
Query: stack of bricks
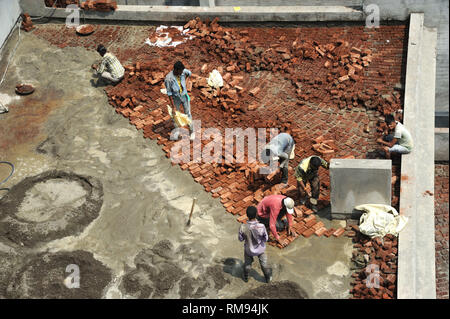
99	5
27	24
306	225
60	3
345	65
441	210
378	279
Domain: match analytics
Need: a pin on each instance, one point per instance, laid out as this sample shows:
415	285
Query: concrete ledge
416	256
441	144
226	14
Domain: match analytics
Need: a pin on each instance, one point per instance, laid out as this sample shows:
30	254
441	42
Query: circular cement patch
62	275
48	206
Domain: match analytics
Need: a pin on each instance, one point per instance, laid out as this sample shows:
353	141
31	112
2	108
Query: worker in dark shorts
307	172
280	148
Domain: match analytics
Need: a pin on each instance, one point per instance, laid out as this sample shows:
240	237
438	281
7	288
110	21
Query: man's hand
281	242
94	66
291	232
380	140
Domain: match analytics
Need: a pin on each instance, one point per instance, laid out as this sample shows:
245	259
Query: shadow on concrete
234	267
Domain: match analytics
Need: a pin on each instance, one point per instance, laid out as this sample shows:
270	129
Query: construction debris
24	89
27	24
99	5
60	3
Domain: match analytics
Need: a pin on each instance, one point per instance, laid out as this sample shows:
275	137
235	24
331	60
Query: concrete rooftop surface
94	184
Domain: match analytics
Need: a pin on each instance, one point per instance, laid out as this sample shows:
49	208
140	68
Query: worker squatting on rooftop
110	68
397	139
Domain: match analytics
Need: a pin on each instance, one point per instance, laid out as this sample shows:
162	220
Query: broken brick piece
307	233
254	91
339	232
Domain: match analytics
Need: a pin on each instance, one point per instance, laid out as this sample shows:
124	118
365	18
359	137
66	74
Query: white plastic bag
181	119
3	108
379	220
215	79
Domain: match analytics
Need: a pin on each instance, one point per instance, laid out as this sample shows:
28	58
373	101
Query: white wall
9	12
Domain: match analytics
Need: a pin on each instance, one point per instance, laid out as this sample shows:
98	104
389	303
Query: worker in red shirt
271	211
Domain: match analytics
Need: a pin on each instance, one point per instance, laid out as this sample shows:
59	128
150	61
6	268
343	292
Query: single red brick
339	232
307	233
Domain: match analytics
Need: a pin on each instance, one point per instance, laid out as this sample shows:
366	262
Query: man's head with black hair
315	163
390	121
178	68
251	212
101	49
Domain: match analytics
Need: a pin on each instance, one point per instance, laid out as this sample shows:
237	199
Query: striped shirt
112	65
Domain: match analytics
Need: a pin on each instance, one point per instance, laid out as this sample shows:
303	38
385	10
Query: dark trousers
315	187
281	224
248	261
284	174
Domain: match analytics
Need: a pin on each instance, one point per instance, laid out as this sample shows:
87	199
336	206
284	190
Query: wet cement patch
163	272
47	276
276	290
51	205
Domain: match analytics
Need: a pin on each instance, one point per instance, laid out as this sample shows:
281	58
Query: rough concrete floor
140	236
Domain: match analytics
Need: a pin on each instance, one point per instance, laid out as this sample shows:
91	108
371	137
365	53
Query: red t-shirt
270	207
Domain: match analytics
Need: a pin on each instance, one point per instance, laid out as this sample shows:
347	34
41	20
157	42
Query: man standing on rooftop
175	83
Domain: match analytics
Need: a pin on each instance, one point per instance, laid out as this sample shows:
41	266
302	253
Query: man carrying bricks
175	83
110	68
271	211
255	236
280	148
401	142
307	171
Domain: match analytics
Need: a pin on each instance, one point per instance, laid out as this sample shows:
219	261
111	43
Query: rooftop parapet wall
416	262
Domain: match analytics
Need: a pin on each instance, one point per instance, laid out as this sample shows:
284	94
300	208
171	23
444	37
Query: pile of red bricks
60	3
376	277
99	5
344	65
441	209
27	24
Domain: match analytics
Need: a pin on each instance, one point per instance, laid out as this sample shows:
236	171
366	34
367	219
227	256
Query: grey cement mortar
146	201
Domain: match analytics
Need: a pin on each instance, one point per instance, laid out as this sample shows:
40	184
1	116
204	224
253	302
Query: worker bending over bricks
307	171
399	142
255	236
280	148
175	83
110	68
271	211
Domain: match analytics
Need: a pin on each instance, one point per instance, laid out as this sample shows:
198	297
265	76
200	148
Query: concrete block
441	144
356	182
